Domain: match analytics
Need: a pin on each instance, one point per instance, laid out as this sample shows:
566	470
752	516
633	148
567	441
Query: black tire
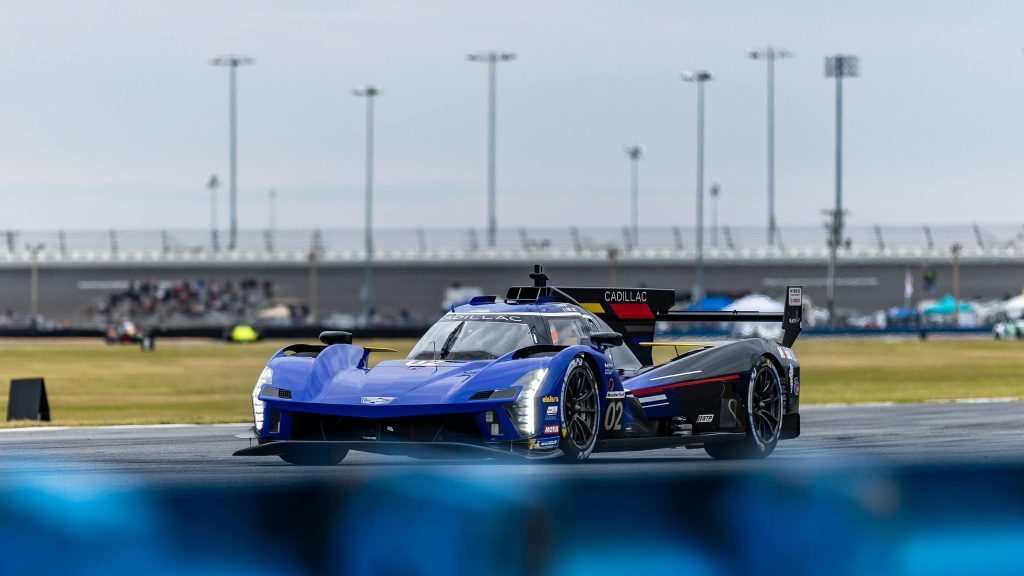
314	456
580	410
763	414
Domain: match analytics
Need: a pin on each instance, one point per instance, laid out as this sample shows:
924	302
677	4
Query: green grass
206	382
181	381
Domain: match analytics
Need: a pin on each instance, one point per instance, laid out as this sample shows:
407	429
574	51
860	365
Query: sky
111	116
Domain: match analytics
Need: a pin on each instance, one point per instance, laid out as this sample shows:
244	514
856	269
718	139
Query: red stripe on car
632	311
662	388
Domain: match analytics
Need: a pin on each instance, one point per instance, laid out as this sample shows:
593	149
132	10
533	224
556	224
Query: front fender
598	361
305	377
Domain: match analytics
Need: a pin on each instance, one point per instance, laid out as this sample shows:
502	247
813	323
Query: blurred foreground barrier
27	400
503	520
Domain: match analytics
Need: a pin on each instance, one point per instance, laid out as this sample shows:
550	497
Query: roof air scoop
540	279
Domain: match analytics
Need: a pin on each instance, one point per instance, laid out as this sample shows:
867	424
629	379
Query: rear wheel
314	455
579	412
764	417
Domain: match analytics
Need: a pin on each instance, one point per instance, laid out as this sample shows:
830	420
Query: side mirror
335	337
605	340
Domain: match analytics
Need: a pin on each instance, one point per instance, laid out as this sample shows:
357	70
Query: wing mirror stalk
605	340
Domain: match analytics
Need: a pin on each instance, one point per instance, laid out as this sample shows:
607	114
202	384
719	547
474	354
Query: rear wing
791	316
633	312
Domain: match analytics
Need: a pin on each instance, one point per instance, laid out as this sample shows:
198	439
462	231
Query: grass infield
198	381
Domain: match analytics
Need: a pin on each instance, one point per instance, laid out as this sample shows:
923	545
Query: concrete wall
419	287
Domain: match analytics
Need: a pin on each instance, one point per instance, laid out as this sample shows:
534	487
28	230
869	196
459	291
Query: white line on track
885	404
118	427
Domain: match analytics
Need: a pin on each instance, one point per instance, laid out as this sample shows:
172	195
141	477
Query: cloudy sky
110	115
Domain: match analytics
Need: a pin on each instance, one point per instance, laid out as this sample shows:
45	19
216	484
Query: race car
545	372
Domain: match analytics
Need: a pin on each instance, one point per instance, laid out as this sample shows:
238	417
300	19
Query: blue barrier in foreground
793	521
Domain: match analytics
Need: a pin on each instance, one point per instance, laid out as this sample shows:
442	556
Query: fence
997	241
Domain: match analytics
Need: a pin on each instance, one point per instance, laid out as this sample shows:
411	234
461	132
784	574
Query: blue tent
945	307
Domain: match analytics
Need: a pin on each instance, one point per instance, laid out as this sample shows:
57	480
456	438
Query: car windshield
454	338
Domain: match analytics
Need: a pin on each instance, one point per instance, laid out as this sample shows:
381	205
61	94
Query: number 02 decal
613	415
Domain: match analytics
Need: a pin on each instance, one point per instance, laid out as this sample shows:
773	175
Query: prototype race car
546	372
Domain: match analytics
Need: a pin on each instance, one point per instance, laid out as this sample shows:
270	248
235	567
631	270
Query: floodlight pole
34	250
769	55
715	191
212	184
635	152
956	249
491	58
232	62
370	92
700	77
839	66
272	200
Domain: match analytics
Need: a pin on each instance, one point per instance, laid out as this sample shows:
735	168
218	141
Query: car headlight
526	404
257	405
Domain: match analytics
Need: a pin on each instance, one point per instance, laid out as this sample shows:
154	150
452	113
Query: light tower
770	55
714	191
839	66
699	77
233	62
491	58
635	153
212	184
370	92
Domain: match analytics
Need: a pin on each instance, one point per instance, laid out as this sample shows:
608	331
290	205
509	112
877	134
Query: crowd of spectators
195	299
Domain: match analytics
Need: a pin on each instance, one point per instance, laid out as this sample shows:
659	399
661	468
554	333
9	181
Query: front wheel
314	455
764	417
579	412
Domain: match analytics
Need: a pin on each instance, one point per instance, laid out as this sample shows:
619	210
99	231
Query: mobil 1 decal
614	408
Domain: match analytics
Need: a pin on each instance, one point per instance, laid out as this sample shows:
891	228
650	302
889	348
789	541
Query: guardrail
997	241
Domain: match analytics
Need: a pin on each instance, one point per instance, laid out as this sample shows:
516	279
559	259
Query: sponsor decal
705	418
545	442
373	400
613	415
454	316
795	296
611	384
616	395
552	411
552	429
625	296
550	399
630	428
425	363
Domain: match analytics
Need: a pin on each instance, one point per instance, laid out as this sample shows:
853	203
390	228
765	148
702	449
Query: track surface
832	436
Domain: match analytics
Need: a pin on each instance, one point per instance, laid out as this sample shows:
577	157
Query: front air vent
505	394
279	392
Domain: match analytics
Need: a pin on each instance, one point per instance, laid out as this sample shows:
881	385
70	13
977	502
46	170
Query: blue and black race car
546	372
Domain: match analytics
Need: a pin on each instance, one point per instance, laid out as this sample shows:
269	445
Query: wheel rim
580	410
765	405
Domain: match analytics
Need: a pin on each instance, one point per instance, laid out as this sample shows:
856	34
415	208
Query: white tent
1014	307
757	303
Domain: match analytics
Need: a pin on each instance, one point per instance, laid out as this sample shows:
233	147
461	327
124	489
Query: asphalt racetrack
840	436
